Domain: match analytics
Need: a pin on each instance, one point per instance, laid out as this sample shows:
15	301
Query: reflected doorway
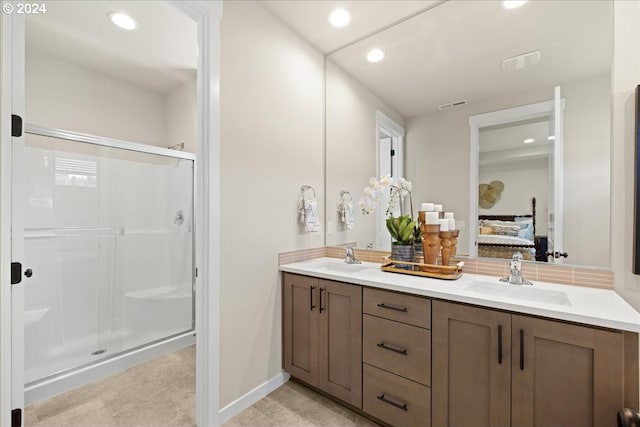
390	161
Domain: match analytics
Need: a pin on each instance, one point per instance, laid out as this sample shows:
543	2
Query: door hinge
16	417
393	153
196	271
16	273
16	125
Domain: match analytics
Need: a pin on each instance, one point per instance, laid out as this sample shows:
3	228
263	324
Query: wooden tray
446	272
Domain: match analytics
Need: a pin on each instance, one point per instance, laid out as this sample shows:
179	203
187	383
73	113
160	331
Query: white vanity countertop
597	307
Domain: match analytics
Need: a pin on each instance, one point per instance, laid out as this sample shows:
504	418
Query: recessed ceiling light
528	140
375	55
551	138
123	21
340	18
512	4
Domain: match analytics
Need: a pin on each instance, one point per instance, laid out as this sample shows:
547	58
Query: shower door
108	234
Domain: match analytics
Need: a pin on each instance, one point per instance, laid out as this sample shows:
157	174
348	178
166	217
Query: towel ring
344	193
306	188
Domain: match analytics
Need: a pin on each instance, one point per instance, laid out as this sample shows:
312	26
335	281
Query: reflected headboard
532	215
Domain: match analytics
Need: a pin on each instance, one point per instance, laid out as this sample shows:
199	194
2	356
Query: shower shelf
65	232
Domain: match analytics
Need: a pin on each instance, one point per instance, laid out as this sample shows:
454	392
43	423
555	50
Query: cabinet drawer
396	347
395	400
400	307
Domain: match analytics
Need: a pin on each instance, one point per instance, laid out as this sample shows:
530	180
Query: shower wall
63	94
112	261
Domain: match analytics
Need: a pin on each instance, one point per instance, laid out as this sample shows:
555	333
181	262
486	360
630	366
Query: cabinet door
565	375
471	370
300	322
341	341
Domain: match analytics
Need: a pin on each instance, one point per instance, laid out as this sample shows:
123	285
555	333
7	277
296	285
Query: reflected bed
501	236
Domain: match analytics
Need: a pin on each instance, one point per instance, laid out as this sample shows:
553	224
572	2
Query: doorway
390	161
15	36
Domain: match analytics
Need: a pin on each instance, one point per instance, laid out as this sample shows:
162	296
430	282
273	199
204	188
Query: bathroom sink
339	266
521	292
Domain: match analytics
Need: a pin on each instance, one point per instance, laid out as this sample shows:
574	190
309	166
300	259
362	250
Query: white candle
427	207
452	224
448	215
437	208
432	218
444	224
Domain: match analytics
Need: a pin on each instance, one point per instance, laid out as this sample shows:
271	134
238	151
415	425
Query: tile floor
161	393
157	393
294	405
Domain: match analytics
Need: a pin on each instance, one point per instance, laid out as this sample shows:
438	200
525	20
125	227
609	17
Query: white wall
351	151
63	95
522	180
587	171
437	161
180	116
626	75
271	143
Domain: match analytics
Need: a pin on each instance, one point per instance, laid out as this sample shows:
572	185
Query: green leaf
392	227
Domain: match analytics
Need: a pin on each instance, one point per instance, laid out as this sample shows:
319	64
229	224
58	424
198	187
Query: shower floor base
105	365
84	350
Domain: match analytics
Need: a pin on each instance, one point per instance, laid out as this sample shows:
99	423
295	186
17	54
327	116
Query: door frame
207	16
509	115
397	132
6	52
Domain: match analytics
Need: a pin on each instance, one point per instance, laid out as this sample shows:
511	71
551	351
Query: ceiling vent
452	104
520	62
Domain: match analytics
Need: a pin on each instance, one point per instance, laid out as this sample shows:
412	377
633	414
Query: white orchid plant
402	227
397	189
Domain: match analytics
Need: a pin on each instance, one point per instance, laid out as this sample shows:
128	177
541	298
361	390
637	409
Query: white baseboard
243	402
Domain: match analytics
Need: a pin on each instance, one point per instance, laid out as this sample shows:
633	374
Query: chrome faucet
515	276
350	257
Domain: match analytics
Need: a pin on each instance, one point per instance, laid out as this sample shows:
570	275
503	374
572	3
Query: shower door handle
16	273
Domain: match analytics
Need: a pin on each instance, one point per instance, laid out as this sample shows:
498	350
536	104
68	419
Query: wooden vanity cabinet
471	366
564	374
322	336
397	357
492	368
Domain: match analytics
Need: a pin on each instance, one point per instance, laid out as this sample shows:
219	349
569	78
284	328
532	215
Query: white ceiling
159	55
309	18
454	51
512	135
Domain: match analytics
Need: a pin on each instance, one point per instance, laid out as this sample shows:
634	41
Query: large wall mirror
465	64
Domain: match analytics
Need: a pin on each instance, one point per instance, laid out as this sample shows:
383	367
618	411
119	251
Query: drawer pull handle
388	347
500	344
522	349
311	297
391	307
321	308
392	403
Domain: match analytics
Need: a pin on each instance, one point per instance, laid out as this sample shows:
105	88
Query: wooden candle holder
430	242
445	242
454	243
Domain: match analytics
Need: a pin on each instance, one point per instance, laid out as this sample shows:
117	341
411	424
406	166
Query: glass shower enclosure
109	237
